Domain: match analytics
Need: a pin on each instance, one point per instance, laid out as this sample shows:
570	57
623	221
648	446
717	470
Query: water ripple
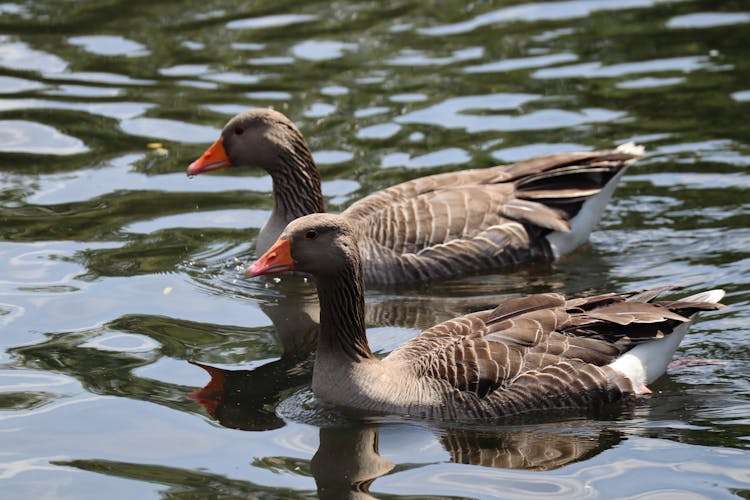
171	130
270	21
21	136
321	50
13	85
598	70
449	156
98	77
521	63
109	45
649	82
536	120
185	70
121	342
117	110
519	153
117	269
411	57
19	56
235	78
530	12
10	312
708	19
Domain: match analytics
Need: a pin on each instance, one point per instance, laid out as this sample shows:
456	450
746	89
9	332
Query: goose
536	352
439	226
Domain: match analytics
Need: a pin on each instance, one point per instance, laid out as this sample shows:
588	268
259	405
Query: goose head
319	244
261	138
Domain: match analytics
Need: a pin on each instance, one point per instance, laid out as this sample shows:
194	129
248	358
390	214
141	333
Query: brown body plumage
530	353
437	226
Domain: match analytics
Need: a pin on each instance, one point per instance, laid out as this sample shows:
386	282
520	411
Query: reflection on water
348	458
116	271
246	399
347	462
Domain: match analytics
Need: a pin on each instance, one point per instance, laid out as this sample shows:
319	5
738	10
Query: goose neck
296	185
342	317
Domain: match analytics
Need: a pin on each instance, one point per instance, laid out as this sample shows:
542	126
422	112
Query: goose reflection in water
247	399
348	459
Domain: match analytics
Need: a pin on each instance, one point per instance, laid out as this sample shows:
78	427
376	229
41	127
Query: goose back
538	352
464	222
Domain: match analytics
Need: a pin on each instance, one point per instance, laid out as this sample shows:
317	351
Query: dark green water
116	270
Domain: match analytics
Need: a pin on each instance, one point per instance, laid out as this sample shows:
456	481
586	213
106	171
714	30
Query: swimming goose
530	353
437	226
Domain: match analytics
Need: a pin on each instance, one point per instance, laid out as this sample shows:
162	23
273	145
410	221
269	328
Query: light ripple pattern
136	360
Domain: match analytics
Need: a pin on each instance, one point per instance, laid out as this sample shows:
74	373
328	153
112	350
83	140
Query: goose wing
541	350
437	226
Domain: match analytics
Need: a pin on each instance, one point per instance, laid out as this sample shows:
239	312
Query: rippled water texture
119	276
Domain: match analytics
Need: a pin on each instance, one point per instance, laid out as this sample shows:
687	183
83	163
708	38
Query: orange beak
277	259
214	158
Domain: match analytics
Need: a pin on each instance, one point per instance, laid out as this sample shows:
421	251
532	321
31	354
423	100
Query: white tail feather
564	242
631	148
584	221
712	296
648	361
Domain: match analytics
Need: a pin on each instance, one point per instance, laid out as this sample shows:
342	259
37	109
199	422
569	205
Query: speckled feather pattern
539	352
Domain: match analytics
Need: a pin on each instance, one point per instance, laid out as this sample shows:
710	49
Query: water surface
118	273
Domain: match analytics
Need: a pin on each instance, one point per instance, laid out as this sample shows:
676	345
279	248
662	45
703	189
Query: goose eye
311	235
238	130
